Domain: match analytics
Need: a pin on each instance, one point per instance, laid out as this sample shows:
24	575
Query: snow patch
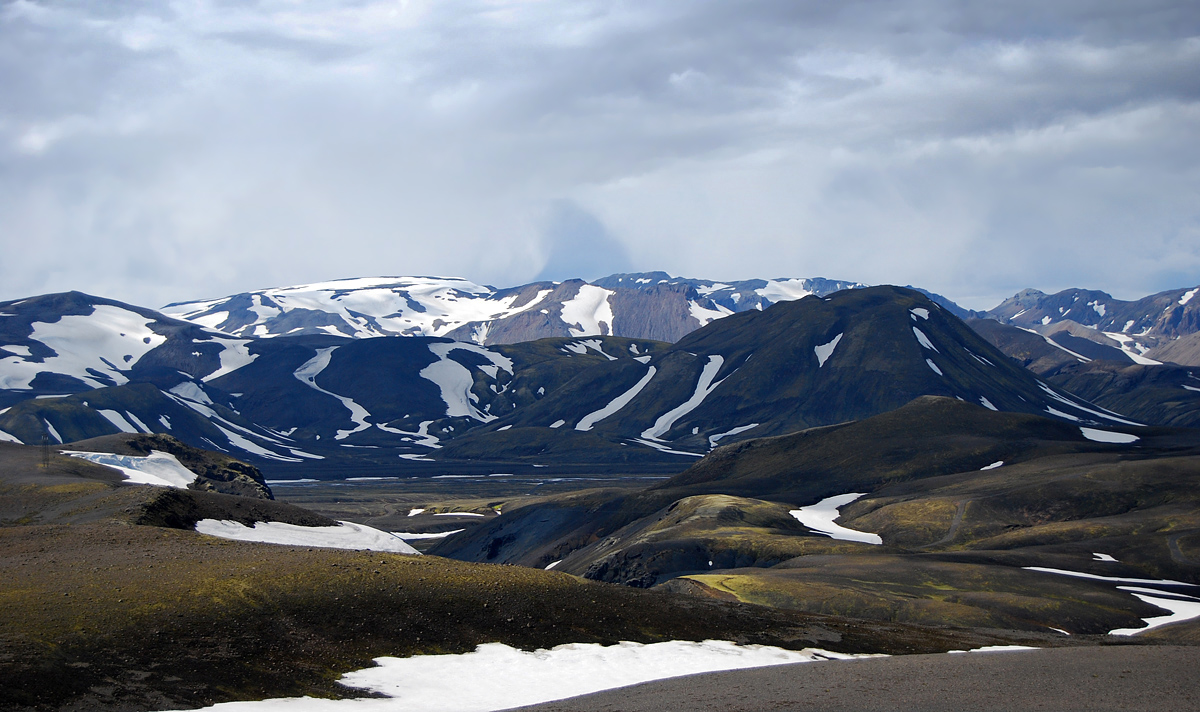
1132	349
498	677
588	313
994	465
663	448
987	403
924	313
706	316
820	518
1102	557
346	535
235	355
455	381
933	366
824	351
784	290
1187	296
8	438
414	536
160	469
1105	436
192	392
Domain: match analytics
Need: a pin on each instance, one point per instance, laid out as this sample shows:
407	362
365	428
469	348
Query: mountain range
633	370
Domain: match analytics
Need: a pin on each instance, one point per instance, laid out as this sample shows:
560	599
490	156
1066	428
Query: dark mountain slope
799	364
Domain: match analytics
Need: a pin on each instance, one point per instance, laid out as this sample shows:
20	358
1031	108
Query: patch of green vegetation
920	589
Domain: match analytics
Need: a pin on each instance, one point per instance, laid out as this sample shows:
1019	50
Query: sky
155	151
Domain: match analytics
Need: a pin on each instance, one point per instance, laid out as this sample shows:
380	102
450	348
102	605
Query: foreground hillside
103	612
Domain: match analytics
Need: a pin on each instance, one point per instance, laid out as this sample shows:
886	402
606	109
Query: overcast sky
161	151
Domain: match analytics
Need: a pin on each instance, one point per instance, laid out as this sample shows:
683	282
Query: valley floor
1128	678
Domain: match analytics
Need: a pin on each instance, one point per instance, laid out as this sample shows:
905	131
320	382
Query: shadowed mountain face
606	401
811	362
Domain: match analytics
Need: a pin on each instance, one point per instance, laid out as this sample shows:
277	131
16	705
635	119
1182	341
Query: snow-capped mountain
72	342
650	305
75	367
1143	329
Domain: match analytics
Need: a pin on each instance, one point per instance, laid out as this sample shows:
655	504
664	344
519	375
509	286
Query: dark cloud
193	149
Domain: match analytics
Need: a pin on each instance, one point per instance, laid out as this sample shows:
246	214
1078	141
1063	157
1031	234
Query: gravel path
1126	678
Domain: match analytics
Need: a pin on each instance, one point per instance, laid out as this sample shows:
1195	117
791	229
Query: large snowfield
497	677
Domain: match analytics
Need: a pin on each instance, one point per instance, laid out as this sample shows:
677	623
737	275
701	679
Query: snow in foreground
346	535
819	517
158	468
497	677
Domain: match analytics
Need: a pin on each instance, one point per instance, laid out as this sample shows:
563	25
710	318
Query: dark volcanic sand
1125	678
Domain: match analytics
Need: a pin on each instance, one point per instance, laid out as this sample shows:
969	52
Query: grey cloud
971	148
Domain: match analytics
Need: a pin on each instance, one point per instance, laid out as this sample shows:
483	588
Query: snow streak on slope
105	342
617	403
455	380
714	439
703	387
589	312
119	420
233	356
307	374
1132	349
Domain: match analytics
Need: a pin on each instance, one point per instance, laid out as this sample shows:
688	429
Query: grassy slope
1058	498
101	613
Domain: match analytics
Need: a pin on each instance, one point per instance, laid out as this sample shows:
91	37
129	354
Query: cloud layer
159	151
